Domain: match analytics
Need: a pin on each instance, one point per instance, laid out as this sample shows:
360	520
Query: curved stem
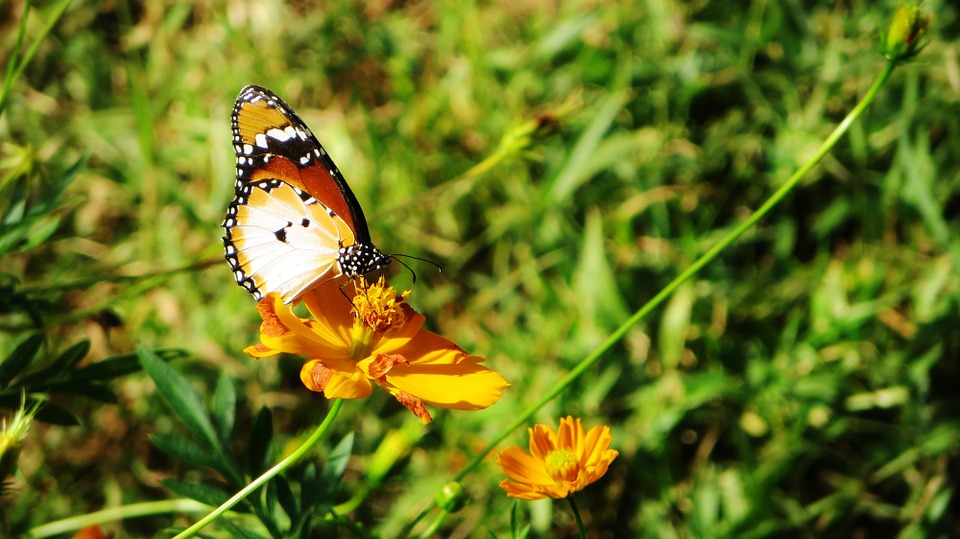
292	459
435	525
113	514
576	515
688	273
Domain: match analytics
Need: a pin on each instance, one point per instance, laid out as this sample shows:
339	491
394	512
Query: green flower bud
908	26
451	498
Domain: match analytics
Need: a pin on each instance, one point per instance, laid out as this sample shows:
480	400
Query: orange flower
380	339
559	463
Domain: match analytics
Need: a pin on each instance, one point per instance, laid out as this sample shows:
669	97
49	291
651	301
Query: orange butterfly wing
294	223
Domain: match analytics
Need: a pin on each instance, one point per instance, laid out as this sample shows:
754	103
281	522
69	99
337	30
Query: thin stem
435	525
269	474
113	514
576	515
14	73
697	265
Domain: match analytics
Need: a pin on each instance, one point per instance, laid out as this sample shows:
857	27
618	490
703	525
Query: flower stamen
378	305
561	464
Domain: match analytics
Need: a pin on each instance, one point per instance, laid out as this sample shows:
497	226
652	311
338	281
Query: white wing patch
280	239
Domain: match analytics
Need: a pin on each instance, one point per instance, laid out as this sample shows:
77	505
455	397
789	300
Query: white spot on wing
278	134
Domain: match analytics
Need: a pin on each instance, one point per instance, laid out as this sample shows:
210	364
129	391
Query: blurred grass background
803	386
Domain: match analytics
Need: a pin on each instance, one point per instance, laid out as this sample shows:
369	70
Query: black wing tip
254	88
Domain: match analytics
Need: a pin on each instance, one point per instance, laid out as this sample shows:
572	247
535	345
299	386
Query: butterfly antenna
413	273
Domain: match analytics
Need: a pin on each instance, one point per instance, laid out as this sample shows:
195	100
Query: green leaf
182	398
93	391
245	533
18	360
225	406
310	487
184	450
206	494
675	326
112	367
517	530
261	434
59	368
333	468
122	365
285	497
337	461
580	164
71	356
601	303
56	415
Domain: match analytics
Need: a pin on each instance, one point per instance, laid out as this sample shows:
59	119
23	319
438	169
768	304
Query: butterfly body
294	223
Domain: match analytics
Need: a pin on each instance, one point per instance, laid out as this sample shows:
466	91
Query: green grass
801	386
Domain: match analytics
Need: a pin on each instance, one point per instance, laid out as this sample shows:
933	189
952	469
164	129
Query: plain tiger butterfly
293	224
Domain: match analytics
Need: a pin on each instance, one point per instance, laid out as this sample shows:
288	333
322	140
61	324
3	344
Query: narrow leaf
225	406
59	368
56	415
97	392
245	533
71	356
182	398
121	365
337	461
259	447
286	499
184	450
18	360
334	467
206	494
574	171
310	487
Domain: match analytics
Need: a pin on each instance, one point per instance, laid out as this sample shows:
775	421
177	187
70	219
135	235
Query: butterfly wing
281	239
294	223
271	141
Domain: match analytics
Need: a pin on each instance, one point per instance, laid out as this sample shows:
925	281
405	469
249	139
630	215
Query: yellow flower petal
521	467
542	441
331	311
400	335
336	379
282	330
442	374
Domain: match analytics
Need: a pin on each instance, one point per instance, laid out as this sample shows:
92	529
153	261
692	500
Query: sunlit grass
801	385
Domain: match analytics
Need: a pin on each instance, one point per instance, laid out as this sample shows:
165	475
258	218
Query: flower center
378	305
561	465
362	340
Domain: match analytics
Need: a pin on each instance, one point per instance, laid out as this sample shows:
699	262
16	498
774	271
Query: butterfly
294	223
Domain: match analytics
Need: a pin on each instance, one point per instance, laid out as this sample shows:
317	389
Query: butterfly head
360	259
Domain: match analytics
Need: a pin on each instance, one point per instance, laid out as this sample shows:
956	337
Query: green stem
292	459
435	525
113	514
655	302
576	515
13	73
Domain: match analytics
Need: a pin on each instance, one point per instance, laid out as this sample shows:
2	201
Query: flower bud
11	437
908	26
451	498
